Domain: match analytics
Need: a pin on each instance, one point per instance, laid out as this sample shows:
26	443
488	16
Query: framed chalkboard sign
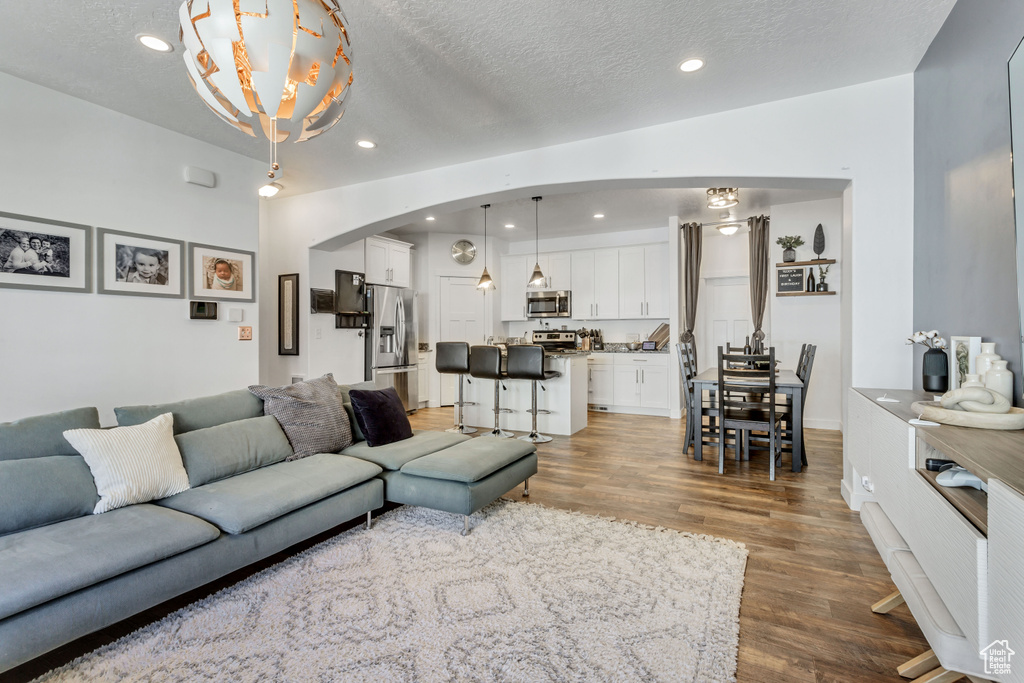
790	280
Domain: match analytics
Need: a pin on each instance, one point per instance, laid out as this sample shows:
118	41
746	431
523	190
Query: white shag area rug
532	594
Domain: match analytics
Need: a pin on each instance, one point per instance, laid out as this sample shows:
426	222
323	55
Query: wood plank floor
812	572
811	575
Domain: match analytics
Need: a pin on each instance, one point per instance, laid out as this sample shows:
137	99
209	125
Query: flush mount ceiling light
154	43
366	144
537	279
510	225
280	66
723	197
431	218
485	280
729	228
270	189
598	215
691	65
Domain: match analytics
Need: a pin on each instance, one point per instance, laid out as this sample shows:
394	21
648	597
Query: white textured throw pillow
132	464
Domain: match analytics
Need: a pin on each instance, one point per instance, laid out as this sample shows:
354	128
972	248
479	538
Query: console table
969	545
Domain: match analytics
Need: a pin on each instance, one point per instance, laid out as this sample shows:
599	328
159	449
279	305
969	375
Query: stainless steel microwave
549	304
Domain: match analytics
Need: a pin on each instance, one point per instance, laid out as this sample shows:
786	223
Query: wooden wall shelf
805	293
795	264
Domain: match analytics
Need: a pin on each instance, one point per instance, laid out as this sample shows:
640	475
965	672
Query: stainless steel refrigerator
392	345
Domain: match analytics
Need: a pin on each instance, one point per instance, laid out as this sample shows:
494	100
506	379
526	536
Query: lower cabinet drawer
952	553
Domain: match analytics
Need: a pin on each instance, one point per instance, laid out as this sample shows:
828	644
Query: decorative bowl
633	346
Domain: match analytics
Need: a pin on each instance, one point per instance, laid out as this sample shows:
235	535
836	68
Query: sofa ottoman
464	477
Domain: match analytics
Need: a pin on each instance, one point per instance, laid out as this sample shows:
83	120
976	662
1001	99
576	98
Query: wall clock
464	252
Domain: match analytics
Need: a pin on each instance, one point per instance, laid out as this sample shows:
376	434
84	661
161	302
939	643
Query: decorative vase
822	286
788	255
935	371
983	362
972	382
999	379
810	280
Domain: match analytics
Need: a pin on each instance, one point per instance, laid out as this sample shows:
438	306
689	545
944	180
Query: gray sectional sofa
67	572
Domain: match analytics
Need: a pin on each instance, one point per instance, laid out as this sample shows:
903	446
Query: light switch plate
245	333
235	315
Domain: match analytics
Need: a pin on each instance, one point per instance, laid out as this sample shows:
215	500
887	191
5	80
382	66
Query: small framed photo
37	253
288	315
220	273
139	265
962	354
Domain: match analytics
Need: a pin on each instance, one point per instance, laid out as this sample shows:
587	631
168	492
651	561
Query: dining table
786	382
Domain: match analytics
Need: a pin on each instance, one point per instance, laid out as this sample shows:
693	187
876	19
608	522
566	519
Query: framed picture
139	265
220	273
288	315
37	253
962	352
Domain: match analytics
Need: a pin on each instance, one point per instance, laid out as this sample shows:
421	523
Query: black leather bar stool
453	359
485	363
526	361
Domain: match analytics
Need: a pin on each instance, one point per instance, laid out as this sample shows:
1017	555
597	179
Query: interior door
726	317
462	319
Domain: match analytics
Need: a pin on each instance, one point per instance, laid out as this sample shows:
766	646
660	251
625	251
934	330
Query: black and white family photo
141	265
29	253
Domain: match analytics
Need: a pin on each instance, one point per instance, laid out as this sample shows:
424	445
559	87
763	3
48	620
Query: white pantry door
727	318
462	319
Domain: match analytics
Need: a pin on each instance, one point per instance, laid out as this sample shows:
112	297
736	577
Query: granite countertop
615	347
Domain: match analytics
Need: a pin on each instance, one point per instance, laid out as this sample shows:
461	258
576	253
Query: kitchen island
565	397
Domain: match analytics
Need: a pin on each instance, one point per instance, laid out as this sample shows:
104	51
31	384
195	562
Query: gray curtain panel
758	273
691	246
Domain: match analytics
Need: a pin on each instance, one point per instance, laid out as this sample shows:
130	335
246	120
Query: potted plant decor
789	243
822	272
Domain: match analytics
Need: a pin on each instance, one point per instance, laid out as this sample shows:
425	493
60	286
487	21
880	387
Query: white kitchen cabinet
557	269
512	288
595	284
423	365
643	282
387	262
626	391
654	387
602	383
656	281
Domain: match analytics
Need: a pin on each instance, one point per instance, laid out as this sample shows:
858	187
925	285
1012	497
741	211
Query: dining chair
803	373
687	373
742	410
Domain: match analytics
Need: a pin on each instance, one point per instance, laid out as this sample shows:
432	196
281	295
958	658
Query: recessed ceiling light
154	43
367	144
431	218
510	225
270	189
598	215
691	65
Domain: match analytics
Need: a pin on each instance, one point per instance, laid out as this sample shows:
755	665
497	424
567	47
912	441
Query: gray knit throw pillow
310	413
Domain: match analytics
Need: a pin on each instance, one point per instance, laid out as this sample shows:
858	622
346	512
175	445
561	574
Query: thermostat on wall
202	310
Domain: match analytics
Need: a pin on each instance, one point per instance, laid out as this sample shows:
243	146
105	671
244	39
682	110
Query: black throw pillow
381	416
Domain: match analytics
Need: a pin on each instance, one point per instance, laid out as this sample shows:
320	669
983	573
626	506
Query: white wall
812	319
862	134
69	160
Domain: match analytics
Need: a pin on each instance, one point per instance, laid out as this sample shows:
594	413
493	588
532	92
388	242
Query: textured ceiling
569	215
438	83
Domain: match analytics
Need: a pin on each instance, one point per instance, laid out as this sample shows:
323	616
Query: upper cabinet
643	282
512	287
595	284
606	284
387	262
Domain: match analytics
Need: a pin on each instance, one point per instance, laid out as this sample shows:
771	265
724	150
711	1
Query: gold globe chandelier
280	66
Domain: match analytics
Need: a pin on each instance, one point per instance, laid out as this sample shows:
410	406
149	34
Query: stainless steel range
555	341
